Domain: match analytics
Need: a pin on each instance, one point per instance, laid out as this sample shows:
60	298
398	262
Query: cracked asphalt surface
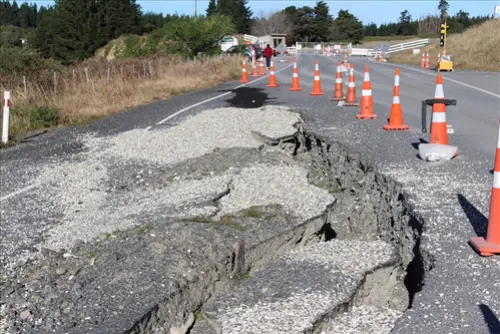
461	293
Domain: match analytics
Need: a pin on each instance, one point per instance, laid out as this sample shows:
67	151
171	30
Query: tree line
429	24
72	30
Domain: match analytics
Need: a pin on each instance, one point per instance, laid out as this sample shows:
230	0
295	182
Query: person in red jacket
268	53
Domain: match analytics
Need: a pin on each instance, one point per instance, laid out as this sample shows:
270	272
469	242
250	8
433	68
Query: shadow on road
478	221
420	141
490	318
249	97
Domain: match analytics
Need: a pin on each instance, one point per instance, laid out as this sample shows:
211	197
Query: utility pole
195	7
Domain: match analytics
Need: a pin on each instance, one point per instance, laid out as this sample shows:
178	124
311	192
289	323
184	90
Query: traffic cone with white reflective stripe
366	98
272	77
438	148
262	68
317	81
491	244
254	65
295	78
244	74
351	90
428	60
396	117
339	93
439	127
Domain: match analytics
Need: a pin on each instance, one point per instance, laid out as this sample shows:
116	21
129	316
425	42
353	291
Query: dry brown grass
474	49
110	88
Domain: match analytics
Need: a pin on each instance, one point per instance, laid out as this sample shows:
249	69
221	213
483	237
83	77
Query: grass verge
84	93
474	49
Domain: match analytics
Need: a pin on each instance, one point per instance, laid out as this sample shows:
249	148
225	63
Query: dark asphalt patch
249	97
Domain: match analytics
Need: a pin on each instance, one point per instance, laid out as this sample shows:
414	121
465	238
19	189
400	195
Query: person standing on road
268	53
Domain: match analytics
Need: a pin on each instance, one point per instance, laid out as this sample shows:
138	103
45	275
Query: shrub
188	36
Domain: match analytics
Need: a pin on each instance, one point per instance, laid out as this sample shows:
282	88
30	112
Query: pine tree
322	22
212	8
240	13
443	7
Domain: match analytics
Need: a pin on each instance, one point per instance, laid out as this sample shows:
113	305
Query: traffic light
442	37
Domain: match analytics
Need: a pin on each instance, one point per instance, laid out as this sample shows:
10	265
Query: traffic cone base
402	127
483	247
351	104
296	89
371	116
337	99
317	93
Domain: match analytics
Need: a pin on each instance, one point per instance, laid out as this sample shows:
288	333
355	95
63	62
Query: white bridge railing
408	45
337	48
392	48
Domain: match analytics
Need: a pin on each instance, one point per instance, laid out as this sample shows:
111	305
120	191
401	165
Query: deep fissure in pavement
170	271
369	206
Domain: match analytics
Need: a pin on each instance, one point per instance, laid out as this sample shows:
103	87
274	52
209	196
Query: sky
365	10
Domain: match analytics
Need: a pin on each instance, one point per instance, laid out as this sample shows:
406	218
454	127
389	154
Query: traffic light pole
442	37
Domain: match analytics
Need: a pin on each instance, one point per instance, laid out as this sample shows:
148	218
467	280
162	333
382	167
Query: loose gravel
291	294
262	185
201	134
92	197
364	319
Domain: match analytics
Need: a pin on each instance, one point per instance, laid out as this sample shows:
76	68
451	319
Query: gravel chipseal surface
292	293
200	134
82	190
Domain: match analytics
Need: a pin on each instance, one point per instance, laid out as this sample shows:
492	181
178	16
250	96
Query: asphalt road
461	292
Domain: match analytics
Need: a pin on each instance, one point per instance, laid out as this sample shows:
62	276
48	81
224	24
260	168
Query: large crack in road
259	228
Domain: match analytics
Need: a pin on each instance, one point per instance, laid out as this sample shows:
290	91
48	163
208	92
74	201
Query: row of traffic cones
426	60
255	73
486	246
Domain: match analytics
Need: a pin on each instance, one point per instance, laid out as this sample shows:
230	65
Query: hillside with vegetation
76	61
474	49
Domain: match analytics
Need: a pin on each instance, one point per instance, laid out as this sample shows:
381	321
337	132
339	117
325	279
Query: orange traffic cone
346	61
317	81
339	94
351	90
262	68
244	74
491	244
272	77
427	61
439	127
295	78
366	98
396	118
422	64
254	66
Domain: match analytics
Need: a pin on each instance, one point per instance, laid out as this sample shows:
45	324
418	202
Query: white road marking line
20	191
446	78
148	128
217	97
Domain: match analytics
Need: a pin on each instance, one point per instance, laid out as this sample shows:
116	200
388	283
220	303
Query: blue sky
366	10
